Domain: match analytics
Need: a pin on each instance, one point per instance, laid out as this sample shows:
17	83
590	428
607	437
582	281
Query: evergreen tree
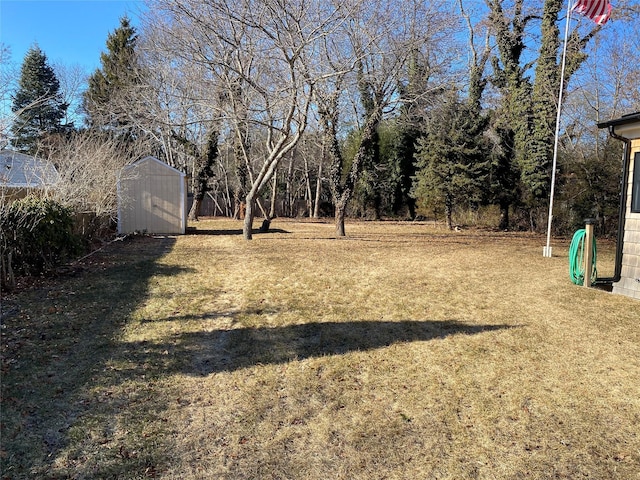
453	167
38	103
404	150
504	174
416	97
106	100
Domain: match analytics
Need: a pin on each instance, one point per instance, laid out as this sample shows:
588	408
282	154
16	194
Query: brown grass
401	351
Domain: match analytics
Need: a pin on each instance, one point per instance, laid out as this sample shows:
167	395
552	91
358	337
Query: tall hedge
36	235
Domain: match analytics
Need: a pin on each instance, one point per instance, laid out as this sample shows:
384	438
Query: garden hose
576	258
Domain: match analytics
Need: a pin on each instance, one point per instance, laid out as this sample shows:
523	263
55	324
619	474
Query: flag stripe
597	10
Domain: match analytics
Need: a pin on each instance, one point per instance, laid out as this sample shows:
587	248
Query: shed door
161	197
152	204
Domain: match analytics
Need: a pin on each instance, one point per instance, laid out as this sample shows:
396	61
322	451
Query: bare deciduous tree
258	53
88	164
366	60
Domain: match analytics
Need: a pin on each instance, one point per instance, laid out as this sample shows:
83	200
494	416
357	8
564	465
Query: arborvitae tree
105	101
452	163
38	104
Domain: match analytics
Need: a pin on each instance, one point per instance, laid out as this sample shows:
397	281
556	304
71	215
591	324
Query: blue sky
72	32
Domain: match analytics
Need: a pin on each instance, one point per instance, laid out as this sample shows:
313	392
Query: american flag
597	10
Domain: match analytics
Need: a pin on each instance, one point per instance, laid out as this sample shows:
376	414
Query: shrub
36	235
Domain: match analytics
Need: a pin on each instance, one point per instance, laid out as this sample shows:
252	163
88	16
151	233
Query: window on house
635	186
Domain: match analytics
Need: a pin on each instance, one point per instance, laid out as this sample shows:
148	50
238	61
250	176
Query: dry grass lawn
400	352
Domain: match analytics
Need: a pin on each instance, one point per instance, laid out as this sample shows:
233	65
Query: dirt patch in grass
401	351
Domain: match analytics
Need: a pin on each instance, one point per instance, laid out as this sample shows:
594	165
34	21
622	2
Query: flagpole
547	250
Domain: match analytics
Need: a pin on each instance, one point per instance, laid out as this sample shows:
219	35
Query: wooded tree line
372	109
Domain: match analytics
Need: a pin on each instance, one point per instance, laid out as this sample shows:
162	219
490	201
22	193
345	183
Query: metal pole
547	250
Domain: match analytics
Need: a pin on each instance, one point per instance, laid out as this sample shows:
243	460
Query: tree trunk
340	191
504	216
316	207
228	204
307	183
274	192
195	209
288	209
411	206
247	228
448	211
266	224
341	208
377	206
532	221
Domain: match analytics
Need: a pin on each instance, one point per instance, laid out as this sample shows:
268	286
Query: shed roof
153	161
18	170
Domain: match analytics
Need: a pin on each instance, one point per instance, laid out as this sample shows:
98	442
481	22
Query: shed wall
629	283
152	199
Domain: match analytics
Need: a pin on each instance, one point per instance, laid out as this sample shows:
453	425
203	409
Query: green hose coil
576	258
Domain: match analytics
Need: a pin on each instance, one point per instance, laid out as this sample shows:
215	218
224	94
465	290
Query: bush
36	235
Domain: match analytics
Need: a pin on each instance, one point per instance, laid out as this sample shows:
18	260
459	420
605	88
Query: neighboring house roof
18	170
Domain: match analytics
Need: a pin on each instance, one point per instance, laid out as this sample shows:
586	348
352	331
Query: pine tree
452	161
38	103
105	101
416	96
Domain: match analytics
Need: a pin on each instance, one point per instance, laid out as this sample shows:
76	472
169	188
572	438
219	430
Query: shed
21	174
152	198
626	280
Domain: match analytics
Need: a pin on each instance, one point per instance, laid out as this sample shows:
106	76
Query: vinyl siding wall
151	198
629	283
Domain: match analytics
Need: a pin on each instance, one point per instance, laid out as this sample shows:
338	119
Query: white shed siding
629	283
152	198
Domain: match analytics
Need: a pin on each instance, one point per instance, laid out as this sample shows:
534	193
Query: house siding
629	283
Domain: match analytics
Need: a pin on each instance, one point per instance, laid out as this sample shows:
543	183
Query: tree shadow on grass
204	353
77	399
55	353
231	232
